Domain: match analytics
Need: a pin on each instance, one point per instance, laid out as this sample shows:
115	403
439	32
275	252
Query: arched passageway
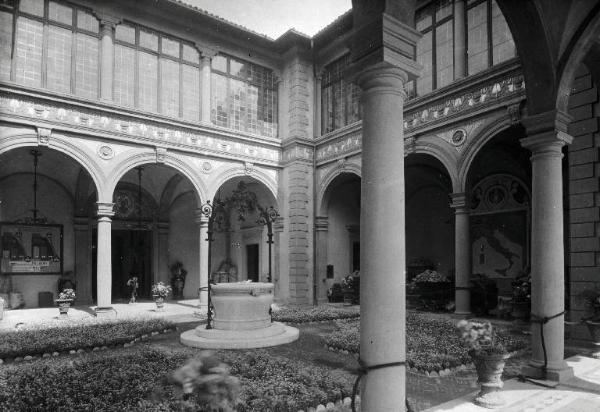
338	232
154	205
45	230
241	249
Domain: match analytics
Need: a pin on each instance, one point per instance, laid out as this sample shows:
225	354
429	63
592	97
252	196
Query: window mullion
489	34
136	76
44	65
74	52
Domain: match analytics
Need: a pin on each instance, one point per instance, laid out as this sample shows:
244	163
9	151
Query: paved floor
579	394
178	311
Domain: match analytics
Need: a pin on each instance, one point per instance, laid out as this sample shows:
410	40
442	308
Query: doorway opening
252	261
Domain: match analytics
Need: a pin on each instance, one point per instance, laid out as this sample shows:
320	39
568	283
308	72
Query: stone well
241	319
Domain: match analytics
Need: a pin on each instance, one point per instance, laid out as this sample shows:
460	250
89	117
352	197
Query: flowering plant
133	283
67	294
430	276
349	281
177	270
160	290
480	338
592	300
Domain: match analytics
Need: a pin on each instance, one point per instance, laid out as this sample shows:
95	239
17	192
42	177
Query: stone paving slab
182	311
579	394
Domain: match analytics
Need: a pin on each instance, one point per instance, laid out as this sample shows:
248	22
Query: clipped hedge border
78	351
314	315
154	327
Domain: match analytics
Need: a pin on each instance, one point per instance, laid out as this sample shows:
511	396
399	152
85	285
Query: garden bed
43	338
315	314
432	344
140	381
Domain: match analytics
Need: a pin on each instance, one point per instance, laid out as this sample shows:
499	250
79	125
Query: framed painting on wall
31	248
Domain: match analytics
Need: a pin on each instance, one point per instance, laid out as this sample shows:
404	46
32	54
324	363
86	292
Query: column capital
107	22
207	53
278	224
382	78
548	143
458	201
321	223
105	209
201	216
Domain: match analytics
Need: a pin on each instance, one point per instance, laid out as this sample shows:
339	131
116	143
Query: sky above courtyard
274	17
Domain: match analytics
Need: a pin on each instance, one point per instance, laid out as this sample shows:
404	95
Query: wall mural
500	217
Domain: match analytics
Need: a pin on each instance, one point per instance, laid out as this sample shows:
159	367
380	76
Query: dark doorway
252	261
355	256
131	256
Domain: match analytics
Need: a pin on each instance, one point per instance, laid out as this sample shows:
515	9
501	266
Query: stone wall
583	196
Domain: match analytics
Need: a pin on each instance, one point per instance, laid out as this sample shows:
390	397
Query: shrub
431	344
141	382
316	314
86	333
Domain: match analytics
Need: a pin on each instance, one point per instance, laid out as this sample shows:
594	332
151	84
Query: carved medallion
106	152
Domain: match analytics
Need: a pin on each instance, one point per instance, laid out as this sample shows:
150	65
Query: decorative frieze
297	152
98	121
343	145
458	104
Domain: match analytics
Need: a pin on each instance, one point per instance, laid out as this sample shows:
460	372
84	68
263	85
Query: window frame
261	86
431	10
46	22
137	47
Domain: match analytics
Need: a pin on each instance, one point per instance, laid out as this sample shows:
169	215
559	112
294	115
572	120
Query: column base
105	312
558	373
462	314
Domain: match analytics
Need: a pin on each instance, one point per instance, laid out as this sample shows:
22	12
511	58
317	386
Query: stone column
277	230
205	93
104	257
382	239
460	48
545	140
107	66
462	254
321	232
202	222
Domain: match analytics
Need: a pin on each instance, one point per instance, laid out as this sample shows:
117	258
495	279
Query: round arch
486	134
427	145
28	138
578	53
324	192
240	171
143	158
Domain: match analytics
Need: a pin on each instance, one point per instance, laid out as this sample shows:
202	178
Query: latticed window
488	41
244	96
52	45
155	72
340	99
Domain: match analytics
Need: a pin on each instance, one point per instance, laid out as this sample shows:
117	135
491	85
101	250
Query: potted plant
435	288
178	274
489	357
133	284
160	291
351	288
592	300
64	301
521	298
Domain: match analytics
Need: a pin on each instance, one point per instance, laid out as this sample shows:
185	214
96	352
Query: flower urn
489	375
64	305
160	302
594	328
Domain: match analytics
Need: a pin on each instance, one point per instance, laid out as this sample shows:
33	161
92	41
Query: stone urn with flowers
160	291
592	300
65	300
489	357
